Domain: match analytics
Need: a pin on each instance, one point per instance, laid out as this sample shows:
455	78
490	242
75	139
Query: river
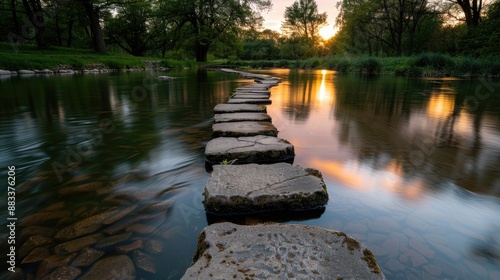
412	166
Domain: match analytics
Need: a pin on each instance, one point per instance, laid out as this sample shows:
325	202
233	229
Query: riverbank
424	65
26	57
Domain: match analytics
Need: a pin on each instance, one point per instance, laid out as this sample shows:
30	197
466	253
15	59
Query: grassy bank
29	58
435	65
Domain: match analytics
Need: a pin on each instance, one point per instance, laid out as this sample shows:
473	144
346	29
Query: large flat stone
242	117
238	129
238	108
234	189
249	96
256	149
256	91
279	251
249	101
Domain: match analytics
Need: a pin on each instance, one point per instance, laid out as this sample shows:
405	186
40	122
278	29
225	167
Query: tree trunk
14	16
201	52
70	33
472	12
35	15
95	27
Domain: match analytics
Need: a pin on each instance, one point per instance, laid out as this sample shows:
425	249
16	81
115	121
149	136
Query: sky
273	18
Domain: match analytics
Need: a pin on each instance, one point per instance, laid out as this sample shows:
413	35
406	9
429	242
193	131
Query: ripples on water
411	166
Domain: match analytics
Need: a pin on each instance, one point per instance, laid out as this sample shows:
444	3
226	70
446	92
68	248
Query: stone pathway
255	149
252	173
279	251
239	117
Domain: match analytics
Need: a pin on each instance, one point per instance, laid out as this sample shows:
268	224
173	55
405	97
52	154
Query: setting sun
327	32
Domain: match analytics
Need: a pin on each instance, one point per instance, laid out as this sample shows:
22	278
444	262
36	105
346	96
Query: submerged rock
239	108
120	215
111	268
154	246
229	251
239	129
124	249
144	261
38	254
43	218
86	257
35	230
84	188
33	242
77	244
87	226
112	240
255	149
51	263
64	273
234	189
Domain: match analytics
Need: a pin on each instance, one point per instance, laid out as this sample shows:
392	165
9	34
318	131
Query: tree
390	26
135	28
211	20
34	12
92	10
303	19
472	11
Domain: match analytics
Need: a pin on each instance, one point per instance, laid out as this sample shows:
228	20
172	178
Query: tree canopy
205	29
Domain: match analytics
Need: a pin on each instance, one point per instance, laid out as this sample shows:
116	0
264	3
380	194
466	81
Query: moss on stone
202	246
369	258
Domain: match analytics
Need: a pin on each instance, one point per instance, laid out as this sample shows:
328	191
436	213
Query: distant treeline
204	30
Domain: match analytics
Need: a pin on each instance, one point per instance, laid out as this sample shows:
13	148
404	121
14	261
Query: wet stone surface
242	91
239	117
234	189
239	108
229	251
249	96
238	129
256	149
249	101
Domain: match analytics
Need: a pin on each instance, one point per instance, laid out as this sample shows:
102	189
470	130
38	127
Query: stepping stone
250	96
280	251
256	149
271	82
242	117
253	91
238	129
249	101
239	108
238	189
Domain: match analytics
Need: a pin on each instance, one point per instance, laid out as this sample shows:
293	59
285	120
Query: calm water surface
412	165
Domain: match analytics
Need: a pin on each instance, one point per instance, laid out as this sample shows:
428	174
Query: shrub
435	61
369	65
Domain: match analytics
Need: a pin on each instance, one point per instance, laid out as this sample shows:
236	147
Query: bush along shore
423	65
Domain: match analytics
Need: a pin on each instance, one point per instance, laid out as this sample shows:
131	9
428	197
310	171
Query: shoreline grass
423	65
27	57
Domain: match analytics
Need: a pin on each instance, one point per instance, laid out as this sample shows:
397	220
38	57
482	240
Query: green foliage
484	40
302	19
368	65
340	64
28	57
435	61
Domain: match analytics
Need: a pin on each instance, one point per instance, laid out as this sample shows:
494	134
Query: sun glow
327	32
